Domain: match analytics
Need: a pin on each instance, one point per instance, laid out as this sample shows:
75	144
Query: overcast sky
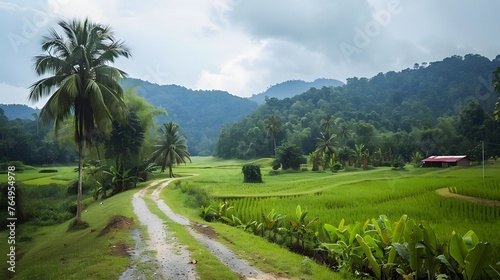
245	46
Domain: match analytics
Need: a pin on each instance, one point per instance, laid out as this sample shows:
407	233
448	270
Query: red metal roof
443	158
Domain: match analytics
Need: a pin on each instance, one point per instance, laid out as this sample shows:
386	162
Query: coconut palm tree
328	123
344	132
171	148
80	82
273	128
325	146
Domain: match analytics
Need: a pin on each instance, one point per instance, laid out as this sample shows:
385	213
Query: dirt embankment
444	192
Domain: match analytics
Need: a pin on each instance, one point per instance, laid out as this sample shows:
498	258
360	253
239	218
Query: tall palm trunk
80	182
170	171
274	140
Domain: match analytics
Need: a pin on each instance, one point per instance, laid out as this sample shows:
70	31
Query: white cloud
245	46
10	94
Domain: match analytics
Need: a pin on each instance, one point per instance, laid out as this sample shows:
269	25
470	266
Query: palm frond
50	64
55	45
69	30
44	87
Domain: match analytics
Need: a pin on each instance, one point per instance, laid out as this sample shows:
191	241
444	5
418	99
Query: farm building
445	161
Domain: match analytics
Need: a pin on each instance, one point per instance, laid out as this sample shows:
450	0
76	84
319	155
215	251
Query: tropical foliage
80	82
171	148
251	173
376	248
423	110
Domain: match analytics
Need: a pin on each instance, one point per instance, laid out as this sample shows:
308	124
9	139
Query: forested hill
292	88
419	109
19	111
200	113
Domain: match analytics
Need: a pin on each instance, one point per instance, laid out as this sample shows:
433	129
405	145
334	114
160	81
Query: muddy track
444	192
171	260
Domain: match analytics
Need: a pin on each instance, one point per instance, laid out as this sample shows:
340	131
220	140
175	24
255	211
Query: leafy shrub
73	188
200	196
290	156
208	213
398	163
18	164
274	172
251	173
48	171
350	169
337	166
387	164
368	167
276	165
71	208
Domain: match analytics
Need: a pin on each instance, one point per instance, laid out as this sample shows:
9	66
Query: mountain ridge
291	88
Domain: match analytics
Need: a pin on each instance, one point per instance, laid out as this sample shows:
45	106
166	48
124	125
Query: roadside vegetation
300	212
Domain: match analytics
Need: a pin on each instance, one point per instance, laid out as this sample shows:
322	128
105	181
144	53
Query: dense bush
251	173
336	167
38	205
48	171
18	164
73	188
200	196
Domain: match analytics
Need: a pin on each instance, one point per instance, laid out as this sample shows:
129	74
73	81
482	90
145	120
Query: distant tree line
441	108
32	143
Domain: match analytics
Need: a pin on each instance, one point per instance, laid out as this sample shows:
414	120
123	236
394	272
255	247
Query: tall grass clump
199	196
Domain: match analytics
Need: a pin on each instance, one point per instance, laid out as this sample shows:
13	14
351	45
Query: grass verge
258	252
54	253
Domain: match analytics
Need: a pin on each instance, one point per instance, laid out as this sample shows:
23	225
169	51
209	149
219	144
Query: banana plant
208	213
233	221
257	228
472	256
273	222
222	210
99	189
342	244
301	226
367	250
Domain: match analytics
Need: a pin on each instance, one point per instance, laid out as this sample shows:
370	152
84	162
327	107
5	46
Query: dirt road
165	258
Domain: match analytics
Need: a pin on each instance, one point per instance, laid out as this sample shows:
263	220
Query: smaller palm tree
273	128
344	132
171	148
328	123
325	146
